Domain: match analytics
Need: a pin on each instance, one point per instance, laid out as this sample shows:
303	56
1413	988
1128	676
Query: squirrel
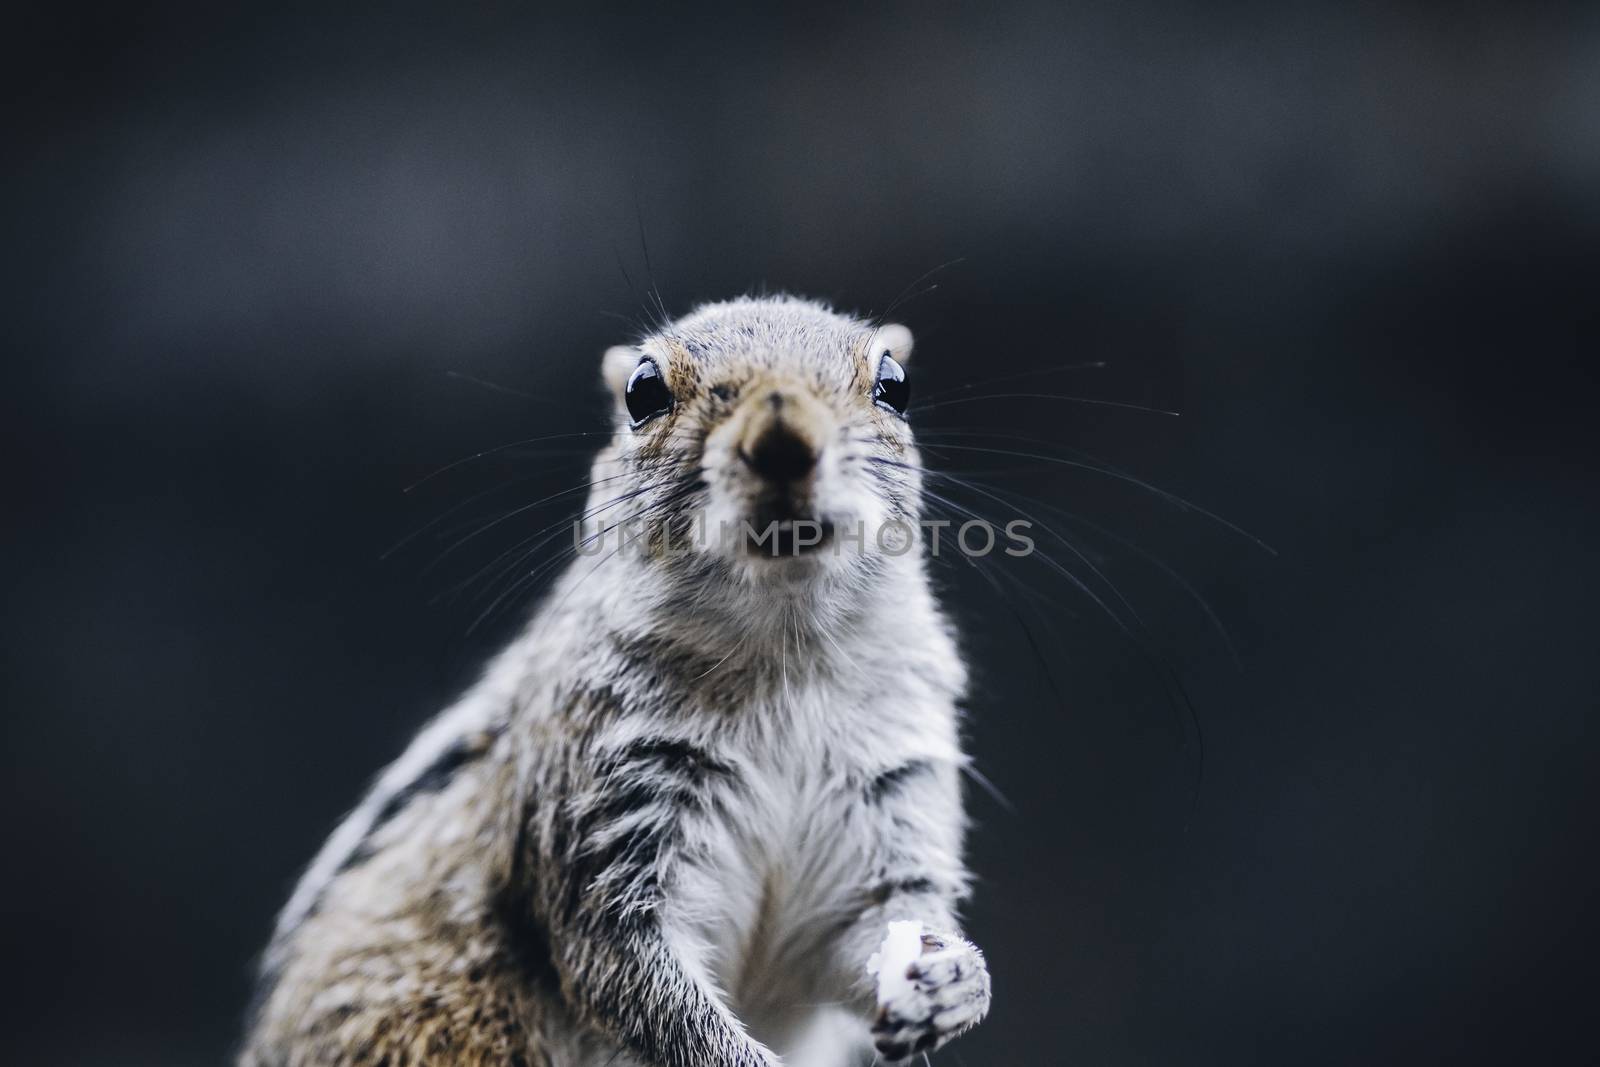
670	824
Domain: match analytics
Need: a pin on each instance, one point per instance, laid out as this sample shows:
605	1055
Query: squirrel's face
767	434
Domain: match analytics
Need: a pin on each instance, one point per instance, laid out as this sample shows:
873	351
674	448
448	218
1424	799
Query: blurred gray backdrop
266	269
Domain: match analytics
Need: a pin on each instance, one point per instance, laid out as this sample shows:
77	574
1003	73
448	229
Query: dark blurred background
267	269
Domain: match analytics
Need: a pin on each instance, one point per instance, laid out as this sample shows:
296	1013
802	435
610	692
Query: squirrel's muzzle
783	435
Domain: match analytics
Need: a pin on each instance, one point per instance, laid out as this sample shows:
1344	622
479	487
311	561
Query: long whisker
1073	578
1170	497
641	326
497	488
669	499
1074	549
498	449
1183	583
533	576
917	410
1038	654
982	780
1098	364
514	512
1140	637
445	533
937	433
522	549
496	387
737	645
664	320
883	317
1077	582
561	557
453	464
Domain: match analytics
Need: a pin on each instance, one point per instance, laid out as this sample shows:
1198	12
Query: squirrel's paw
947	994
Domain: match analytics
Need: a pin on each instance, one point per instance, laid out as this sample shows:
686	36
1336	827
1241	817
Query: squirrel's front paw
947	995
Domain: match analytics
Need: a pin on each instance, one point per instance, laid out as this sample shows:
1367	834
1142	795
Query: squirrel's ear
616	365
894	339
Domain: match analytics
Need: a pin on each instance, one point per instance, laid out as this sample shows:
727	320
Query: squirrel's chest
767	881
768	878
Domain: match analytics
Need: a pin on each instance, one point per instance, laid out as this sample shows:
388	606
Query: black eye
647	394
891	389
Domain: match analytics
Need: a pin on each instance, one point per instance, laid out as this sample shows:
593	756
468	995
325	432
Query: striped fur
670	823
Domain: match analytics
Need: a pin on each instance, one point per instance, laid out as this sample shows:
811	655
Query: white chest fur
768	888
767	884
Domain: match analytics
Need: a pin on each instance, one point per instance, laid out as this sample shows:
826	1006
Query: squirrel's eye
891	390
647	394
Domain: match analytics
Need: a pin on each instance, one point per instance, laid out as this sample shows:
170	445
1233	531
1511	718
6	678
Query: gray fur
670	824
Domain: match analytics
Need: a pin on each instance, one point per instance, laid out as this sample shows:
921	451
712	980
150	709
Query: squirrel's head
765	437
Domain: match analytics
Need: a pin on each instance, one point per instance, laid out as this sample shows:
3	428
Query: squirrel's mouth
787	538
778	529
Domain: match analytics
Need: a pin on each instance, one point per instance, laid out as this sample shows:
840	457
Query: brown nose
780	455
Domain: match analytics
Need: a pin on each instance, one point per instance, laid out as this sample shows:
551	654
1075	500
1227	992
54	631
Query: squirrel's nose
780	455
